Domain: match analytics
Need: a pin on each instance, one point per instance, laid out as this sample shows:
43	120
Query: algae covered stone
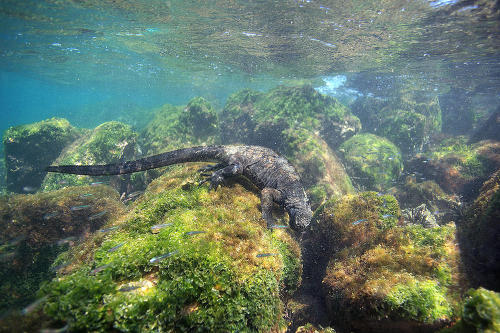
110	142
175	127
252	117
457	166
212	266
38	227
30	148
408	119
382	272
372	161
321	171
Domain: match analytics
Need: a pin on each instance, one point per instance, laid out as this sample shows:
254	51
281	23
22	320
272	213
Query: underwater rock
30	148
481	313
213	281
176	127
444	207
37	227
110	142
420	215
490	130
373	162
257	118
479	236
320	170
382	276
408	120
458	168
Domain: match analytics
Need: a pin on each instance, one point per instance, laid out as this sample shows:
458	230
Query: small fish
275	226
191	233
128	288
387	215
114	248
32	307
75	208
156	228
97	215
67	240
98	183
108	229
55	330
48	216
29	189
163	256
262	255
99	269
86	195
359	221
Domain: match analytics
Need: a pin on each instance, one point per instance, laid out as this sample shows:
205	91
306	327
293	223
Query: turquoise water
94	61
104	58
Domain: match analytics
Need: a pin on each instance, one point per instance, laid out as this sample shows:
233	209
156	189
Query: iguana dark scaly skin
271	173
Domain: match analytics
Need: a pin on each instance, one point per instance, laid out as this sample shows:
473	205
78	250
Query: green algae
321	171
45	225
30	148
374	162
390	271
480	313
110	142
175	127
212	280
408	119
259	117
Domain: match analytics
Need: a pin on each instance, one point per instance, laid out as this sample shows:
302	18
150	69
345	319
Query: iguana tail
193	154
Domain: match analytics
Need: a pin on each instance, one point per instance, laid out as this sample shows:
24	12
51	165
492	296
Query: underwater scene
303	166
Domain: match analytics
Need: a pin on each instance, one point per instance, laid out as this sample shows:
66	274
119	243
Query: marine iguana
272	174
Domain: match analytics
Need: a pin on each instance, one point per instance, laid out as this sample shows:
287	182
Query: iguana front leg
267	197
218	177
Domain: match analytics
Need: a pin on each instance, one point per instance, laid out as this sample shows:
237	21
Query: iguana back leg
218	177
267	197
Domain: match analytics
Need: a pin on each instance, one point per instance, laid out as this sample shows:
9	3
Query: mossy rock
37	227
479	232
110	142
480	314
175	127
373	162
210	281
381	273
409	119
458	167
252	117
30	148
321	171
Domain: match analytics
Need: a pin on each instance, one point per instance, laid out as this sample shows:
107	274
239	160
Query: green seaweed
212	280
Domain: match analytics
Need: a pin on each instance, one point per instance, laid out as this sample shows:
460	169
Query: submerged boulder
257	118
110	142
479	236
184	259
408	120
373	162
481	313
175	127
382	276
321	171
38	227
458	167
30	148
